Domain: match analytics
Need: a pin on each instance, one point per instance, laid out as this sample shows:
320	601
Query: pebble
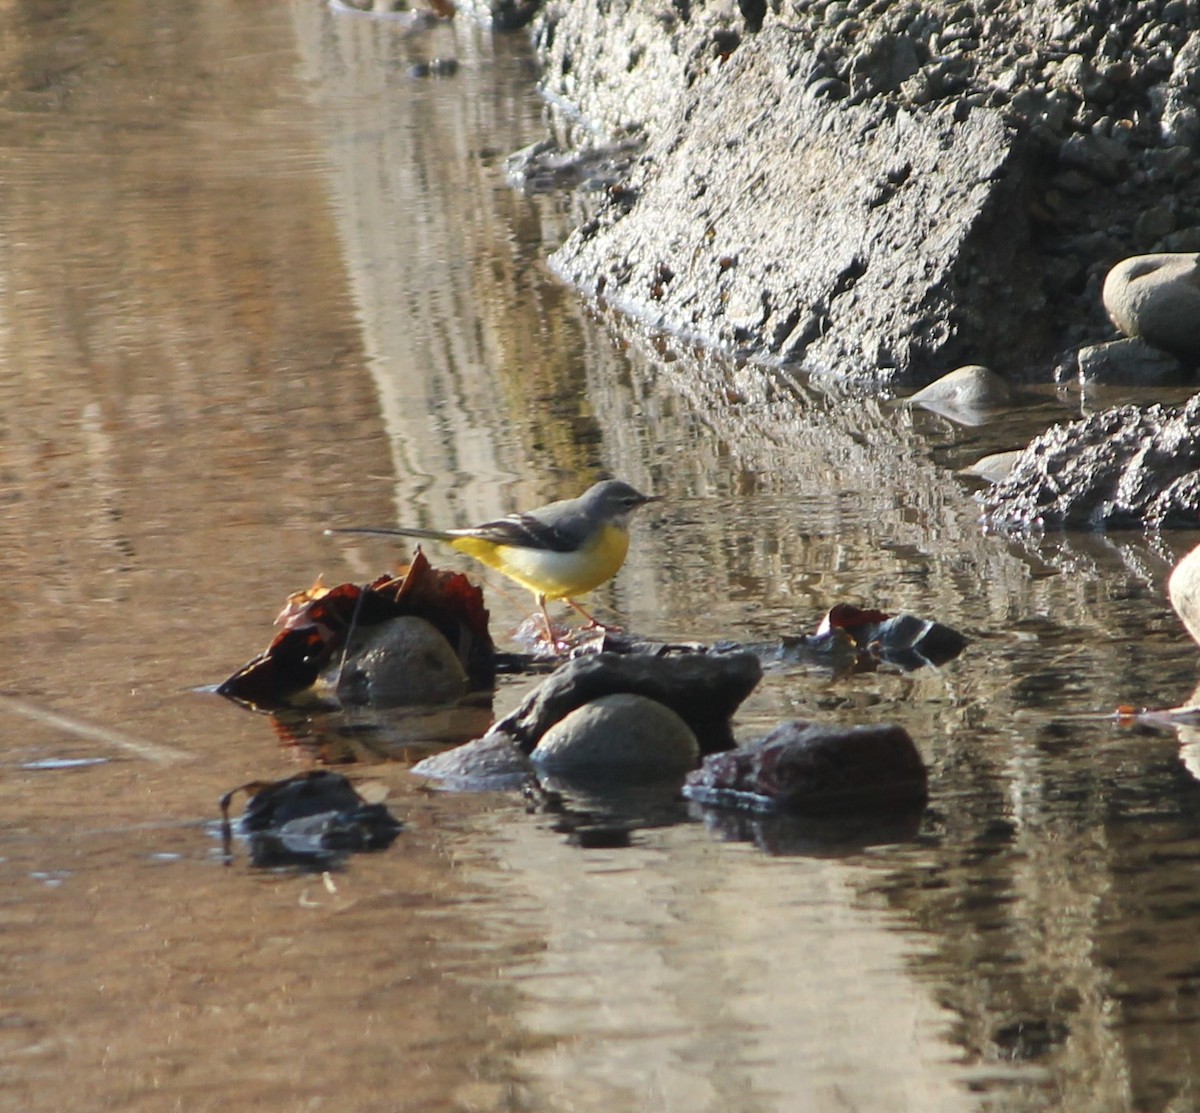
965	394
994	467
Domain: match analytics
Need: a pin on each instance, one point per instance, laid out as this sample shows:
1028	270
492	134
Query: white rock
972	385
965	395
1157	297
995	467
620	736
1183	589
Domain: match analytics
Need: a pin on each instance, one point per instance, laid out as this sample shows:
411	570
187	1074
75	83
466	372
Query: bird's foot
593	623
543	638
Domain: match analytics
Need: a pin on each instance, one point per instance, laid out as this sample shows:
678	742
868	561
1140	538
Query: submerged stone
309	819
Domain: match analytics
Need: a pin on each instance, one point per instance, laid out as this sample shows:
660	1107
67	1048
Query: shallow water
258	279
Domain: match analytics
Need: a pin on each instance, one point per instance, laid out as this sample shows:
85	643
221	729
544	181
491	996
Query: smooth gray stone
622	737
1157	297
403	662
702	689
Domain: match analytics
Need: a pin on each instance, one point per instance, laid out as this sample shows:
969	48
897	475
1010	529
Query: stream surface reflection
260	279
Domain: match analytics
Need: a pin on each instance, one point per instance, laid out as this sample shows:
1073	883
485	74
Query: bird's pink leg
593	623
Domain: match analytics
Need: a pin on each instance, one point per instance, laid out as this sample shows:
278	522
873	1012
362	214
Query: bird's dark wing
523	531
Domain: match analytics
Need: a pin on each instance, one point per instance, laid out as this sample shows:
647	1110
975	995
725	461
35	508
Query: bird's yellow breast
555	575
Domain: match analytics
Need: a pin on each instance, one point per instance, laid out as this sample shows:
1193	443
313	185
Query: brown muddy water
258	278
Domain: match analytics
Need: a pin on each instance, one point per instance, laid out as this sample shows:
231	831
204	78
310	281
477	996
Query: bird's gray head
613	500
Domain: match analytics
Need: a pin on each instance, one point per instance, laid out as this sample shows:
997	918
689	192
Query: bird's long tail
404	531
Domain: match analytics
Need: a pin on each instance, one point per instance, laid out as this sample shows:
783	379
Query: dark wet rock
403	662
818	769
310	819
1183	589
493	763
612	716
1122	468
320	839
703	690
851	639
1157	298
913	642
836	651
1130	362
619	737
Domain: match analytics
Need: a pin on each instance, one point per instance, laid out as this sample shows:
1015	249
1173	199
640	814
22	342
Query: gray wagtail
558	551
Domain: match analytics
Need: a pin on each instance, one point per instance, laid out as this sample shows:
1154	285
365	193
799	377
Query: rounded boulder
402	662
1157	298
620	737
